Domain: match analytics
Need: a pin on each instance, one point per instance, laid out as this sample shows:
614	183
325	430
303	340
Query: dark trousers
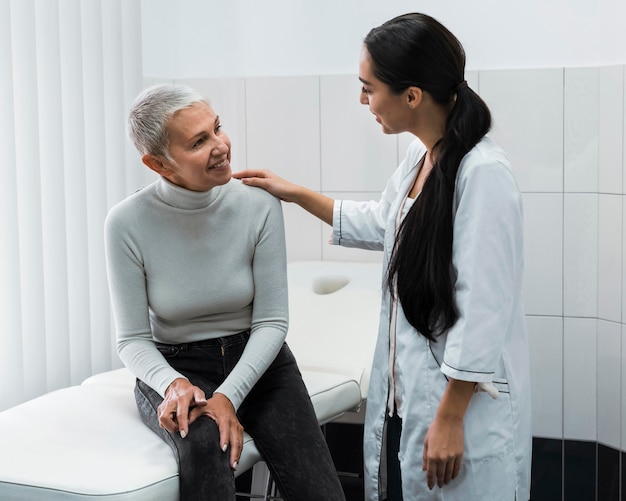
277	413
394	478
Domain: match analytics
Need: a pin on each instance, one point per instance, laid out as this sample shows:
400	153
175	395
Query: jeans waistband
213	342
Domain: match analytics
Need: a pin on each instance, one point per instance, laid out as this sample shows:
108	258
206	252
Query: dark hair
416	50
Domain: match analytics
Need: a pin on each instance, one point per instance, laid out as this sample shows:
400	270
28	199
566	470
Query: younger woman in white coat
449	401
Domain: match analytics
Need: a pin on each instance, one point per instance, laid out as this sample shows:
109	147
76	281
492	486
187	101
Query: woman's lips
221	165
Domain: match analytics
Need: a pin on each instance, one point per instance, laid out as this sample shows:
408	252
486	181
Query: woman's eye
218	128
363	89
198	143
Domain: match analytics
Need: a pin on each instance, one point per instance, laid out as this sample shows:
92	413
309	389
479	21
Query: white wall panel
610	257
580	366
580	138
624	129
609	373
543	253
527	109
580	255
545	337
356	155
283	127
611	128
623	262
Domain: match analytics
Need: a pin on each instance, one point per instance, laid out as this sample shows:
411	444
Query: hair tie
462	85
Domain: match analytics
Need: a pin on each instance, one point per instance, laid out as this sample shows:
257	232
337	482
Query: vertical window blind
69	70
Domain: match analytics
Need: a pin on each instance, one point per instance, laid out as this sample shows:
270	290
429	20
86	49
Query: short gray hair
151	112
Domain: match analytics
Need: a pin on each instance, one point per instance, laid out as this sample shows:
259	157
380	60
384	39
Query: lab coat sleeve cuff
466	375
336	236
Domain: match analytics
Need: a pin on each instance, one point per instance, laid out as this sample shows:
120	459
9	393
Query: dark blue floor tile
547	470
579	470
608	473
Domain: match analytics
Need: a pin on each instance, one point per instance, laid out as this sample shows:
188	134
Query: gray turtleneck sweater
187	266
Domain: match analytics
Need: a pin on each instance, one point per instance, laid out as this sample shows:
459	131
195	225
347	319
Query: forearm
455	400
258	355
317	204
145	362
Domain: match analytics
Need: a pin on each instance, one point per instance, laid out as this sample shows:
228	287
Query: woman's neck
431	122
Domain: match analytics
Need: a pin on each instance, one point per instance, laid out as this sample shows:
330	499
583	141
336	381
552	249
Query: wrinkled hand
180	397
269	181
443	451
184	403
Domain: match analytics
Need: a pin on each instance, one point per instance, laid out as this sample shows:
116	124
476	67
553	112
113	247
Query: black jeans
394	477
277	413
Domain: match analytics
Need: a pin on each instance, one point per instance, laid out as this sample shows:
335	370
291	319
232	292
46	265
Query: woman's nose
221	145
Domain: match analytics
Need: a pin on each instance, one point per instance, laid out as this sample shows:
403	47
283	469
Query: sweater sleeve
129	299
270	307
488	261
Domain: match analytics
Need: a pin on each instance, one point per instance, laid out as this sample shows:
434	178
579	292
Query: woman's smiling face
199	149
390	109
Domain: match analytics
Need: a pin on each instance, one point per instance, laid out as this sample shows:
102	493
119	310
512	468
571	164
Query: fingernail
224	447
235	465
183	434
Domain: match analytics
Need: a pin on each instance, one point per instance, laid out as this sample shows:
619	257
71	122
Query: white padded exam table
87	442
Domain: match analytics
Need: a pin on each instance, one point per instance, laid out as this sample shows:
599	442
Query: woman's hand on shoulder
269	181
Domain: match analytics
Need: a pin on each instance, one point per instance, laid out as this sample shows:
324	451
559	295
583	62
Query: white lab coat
487	344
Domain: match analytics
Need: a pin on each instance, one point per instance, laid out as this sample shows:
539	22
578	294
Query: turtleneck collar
182	198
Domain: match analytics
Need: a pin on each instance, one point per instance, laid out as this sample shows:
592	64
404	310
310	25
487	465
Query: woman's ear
156	164
414	96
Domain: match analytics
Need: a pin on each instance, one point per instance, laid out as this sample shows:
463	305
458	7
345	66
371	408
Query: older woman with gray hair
197	274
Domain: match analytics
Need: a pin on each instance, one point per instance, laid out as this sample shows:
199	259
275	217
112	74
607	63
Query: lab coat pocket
490	479
489	425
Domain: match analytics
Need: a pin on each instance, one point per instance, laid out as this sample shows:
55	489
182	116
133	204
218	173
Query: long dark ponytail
416	50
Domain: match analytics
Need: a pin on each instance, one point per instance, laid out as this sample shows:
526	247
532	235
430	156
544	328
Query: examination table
87	441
